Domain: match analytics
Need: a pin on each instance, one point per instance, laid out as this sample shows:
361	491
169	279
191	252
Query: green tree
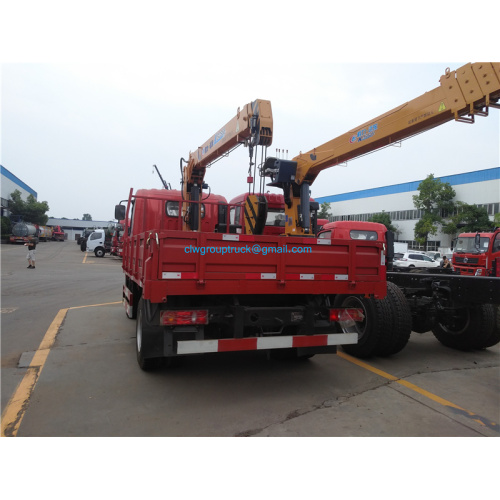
427	225
6	226
385	219
324	211
435	199
496	219
87	217
468	219
30	210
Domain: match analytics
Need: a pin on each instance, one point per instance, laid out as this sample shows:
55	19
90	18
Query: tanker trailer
22	232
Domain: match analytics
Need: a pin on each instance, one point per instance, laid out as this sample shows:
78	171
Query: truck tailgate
187	263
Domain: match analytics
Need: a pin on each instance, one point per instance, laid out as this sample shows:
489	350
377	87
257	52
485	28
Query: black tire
136	294
469	328
369	330
494	337
83	246
99	252
421	322
142	331
397	329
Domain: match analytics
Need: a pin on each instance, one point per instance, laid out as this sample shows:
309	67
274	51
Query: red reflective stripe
226	345
309	341
247	237
189	276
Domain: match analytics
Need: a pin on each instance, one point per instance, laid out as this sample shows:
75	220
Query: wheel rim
457	323
358	327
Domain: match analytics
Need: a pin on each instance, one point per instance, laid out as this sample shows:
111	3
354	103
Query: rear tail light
191	317
346	315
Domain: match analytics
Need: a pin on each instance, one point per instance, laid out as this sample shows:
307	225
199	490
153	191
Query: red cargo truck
477	254
199	280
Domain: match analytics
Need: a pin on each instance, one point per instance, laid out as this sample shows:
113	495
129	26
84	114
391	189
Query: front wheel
99	252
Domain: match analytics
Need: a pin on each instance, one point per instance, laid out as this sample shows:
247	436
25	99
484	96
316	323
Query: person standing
31	253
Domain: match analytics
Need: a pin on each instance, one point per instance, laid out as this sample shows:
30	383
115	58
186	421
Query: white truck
99	242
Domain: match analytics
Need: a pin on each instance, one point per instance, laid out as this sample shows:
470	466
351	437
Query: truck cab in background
477	254
97	243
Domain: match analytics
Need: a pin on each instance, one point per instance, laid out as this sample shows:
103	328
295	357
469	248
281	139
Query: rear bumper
263	343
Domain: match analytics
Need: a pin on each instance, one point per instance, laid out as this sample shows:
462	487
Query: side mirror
119	212
477	241
390	245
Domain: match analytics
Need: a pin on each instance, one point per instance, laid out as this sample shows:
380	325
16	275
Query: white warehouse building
481	187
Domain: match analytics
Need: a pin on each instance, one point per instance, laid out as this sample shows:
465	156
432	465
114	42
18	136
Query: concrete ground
88	382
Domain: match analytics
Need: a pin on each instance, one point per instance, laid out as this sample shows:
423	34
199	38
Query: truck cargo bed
187	263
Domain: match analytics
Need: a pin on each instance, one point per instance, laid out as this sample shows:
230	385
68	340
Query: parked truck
99	241
117	239
477	254
23	232
196	282
58	234
44	233
461	311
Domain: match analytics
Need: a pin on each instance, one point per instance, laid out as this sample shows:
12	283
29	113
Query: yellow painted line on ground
85	259
437	399
97	305
16	407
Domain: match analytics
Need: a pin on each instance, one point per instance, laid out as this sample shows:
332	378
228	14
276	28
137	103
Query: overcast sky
86	113
82	135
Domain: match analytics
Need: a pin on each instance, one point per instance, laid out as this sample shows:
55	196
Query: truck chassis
462	311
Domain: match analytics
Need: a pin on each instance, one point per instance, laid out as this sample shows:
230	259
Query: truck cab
98	243
477	254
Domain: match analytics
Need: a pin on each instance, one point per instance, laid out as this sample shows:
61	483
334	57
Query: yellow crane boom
462	94
252	126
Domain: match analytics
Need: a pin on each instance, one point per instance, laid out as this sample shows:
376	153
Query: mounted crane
252	126
462	94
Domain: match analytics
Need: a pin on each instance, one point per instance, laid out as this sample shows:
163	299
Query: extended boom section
462	95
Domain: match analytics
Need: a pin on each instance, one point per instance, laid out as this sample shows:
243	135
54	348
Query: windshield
466	245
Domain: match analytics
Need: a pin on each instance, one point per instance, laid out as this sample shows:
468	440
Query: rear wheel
142	332
397	328
369	330
466	328
494	337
